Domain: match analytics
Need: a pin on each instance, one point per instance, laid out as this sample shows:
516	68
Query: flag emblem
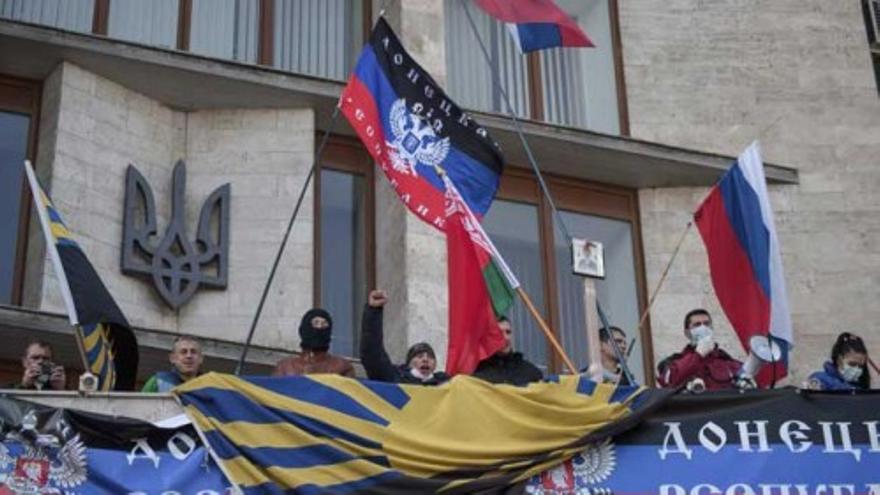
414	141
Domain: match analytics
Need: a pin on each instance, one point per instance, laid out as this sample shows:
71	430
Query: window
344	239
514	227
74	15
317	37
19	104
150	23
521	224
568	86
226	29
320	38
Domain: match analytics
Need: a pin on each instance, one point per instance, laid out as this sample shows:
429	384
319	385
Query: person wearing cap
315	331
508	366
421	362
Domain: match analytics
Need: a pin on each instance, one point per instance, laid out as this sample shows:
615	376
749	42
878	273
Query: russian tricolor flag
736	224
536	24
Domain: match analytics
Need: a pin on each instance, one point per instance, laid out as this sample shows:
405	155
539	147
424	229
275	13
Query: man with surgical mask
701	363
315	331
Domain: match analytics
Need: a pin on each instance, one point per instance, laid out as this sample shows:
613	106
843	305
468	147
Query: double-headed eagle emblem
47	464
414	141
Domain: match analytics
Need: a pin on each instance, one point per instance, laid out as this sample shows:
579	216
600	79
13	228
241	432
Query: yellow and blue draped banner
110	345
330	434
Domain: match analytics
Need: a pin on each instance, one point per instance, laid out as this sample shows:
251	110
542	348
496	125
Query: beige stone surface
797	76
94	128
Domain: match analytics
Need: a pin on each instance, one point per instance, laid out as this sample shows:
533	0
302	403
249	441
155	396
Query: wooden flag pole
81	346
546	329
663	275
873	365
591	313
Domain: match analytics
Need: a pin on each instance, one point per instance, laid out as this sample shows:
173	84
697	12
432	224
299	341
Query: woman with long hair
848	367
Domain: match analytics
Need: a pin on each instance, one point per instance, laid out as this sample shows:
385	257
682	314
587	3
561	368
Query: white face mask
850	373
418	374
700	332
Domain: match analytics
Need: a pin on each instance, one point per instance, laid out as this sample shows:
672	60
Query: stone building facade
798	76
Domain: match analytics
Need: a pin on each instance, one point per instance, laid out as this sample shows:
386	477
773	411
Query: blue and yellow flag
330	434
110	345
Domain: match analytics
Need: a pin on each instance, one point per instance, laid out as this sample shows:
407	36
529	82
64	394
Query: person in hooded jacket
315	331
847	369
421	362
506	365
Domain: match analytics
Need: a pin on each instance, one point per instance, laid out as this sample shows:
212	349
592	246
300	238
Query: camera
45	375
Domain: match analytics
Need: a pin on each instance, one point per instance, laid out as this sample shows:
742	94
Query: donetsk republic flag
411	128
331	434
110	345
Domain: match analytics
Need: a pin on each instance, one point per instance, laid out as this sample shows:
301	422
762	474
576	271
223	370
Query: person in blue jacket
847	369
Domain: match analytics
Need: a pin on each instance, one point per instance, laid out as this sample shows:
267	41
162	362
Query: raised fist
377	298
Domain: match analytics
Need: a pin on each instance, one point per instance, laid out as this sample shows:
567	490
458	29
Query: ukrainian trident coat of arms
177	265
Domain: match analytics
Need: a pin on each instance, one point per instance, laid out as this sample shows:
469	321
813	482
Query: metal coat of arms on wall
177	265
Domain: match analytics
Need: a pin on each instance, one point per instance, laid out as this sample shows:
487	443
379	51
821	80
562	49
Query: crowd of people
700	365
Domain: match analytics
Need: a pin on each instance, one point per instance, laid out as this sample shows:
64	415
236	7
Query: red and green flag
481	287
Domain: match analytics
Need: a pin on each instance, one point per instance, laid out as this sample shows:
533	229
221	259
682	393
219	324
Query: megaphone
762	350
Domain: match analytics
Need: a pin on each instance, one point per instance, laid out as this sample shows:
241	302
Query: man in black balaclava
315	331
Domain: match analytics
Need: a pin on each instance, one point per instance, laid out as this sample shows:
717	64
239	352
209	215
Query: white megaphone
763	350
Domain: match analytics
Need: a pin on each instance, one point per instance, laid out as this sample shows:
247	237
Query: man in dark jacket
701	360
421	362
507	366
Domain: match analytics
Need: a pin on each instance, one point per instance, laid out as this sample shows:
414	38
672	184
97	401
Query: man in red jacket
701	360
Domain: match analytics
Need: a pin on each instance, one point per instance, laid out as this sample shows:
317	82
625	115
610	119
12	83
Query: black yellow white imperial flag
110	345
331	434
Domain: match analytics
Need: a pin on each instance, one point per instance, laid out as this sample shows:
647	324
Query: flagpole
508	274
546	329
302	193
496	80
56	262
81	346
663	275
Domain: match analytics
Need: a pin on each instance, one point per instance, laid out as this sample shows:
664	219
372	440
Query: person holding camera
39	372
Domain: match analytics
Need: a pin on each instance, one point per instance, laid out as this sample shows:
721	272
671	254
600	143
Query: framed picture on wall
588	258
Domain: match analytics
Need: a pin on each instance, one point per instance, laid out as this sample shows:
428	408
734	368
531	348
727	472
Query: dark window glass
617	292
343	267
13	149
513	228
